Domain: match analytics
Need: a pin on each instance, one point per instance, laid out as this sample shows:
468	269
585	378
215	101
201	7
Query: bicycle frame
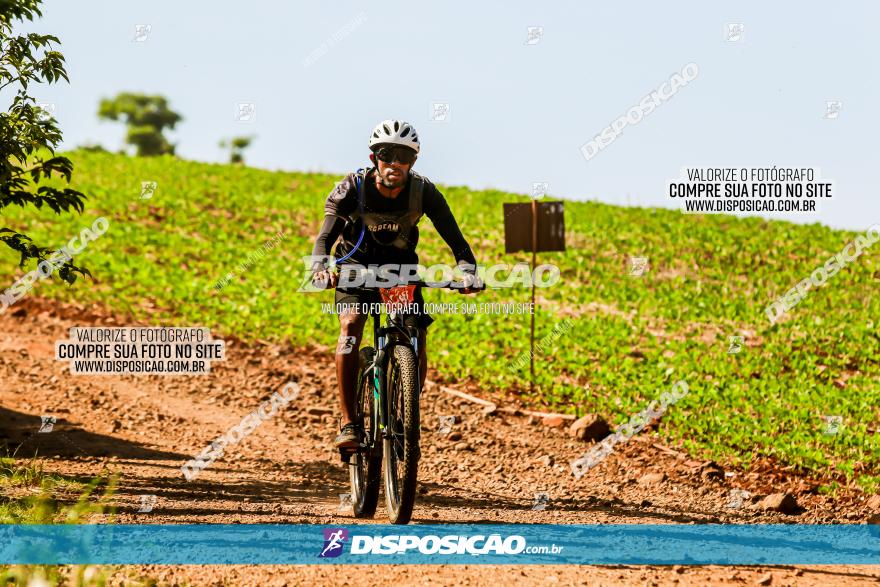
394	429
384	347
384	344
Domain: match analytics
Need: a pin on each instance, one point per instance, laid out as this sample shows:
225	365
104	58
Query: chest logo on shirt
383	226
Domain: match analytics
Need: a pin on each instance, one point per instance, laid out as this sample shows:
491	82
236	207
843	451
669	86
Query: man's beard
391	184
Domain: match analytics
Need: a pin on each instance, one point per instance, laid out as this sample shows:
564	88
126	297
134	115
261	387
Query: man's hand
472	284
325	279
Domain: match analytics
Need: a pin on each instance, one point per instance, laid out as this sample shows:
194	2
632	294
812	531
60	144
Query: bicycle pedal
350	450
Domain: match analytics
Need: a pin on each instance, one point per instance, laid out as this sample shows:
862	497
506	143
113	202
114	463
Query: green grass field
632	337
32	496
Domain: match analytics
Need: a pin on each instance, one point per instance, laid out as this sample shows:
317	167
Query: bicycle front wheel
401	444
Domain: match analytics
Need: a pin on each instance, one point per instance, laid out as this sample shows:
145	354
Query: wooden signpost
536	226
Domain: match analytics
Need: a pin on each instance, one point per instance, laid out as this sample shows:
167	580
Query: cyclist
387	208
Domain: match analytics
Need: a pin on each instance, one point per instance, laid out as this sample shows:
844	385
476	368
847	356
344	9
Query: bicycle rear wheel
365	467
401	445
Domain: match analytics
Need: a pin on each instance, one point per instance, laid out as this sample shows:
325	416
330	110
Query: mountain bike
388	391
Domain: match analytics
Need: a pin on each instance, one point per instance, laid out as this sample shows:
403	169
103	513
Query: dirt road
487	469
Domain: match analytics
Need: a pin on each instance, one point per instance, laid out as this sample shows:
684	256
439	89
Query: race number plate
402	294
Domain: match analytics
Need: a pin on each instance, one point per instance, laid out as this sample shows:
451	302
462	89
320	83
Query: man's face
392	175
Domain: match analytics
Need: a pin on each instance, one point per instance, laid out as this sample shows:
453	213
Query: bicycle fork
380	394
381	364
378	379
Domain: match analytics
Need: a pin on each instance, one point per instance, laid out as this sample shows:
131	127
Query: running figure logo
333	542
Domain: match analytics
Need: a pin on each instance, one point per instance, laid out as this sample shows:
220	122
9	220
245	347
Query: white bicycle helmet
395	132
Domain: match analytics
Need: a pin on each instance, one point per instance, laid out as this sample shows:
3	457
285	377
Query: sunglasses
401	154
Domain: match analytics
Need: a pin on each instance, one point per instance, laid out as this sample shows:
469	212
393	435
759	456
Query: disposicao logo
473	545
334	539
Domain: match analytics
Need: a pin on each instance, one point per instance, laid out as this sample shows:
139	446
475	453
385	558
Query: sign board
518	227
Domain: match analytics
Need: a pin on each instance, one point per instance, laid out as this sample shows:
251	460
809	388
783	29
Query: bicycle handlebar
454	286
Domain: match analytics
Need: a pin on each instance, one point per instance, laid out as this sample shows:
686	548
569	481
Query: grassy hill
710	277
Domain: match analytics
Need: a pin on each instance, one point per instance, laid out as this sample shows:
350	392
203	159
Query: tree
28	133
92	148
236	147
146	117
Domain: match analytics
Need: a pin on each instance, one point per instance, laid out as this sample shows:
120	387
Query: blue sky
518	112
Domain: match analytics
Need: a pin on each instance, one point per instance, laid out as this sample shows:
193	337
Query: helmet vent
387	130
405	132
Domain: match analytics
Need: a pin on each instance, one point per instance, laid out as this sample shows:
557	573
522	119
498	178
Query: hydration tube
357	179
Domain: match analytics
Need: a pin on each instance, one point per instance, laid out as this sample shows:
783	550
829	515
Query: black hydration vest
404	219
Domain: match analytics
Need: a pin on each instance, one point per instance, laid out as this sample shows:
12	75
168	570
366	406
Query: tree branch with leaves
27	132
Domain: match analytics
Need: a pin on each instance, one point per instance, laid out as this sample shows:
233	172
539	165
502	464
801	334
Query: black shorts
364	297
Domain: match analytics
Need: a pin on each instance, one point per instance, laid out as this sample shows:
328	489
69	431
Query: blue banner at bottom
659	544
